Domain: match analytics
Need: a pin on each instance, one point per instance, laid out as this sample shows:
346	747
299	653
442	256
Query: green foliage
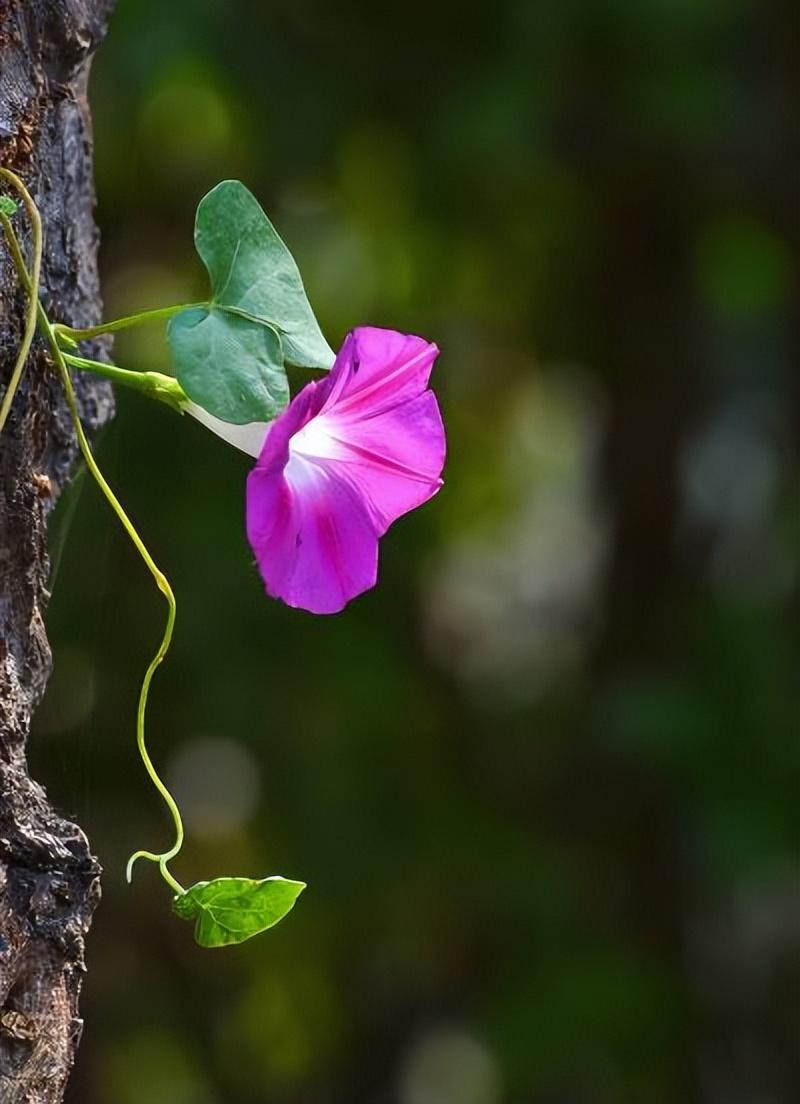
7	206
229	365
230	910
229	354
253	273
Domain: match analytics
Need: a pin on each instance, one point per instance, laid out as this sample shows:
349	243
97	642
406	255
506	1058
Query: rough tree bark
48	877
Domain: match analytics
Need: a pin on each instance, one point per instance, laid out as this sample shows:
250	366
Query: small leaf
230	366
253	273
7	206
230	910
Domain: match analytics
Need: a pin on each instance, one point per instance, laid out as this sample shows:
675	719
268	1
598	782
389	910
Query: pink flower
348	456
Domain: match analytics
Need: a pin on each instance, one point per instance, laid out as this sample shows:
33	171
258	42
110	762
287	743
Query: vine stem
71	334
36	269
155	384
160	578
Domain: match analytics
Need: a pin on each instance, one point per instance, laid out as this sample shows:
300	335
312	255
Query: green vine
30	281
36	271
73	336
225	910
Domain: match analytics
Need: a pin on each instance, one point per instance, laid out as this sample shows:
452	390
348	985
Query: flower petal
378	369
392	460
303	408
313	539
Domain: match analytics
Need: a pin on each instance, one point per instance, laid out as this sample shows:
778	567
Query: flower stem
154	384
33	298
72	335
160	579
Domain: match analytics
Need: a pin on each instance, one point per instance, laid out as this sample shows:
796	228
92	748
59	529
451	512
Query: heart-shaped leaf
230	366
7	206
221	361
253	273
230	910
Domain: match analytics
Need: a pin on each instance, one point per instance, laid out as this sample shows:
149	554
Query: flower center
313	440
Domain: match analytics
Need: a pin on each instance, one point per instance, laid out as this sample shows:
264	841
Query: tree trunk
49	880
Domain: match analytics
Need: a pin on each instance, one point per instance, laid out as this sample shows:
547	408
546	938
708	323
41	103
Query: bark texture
48	877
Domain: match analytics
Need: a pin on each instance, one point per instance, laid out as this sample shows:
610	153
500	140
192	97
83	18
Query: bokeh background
542	781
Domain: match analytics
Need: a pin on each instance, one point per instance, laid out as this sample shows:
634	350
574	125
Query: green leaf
230	366
7	206
229	355
230	910
253	273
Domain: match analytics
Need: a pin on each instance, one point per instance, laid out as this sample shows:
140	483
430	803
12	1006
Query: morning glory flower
248	438
349	455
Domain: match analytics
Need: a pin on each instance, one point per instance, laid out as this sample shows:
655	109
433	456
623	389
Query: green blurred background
542	781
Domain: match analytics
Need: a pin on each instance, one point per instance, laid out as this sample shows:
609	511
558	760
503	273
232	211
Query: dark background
542	781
